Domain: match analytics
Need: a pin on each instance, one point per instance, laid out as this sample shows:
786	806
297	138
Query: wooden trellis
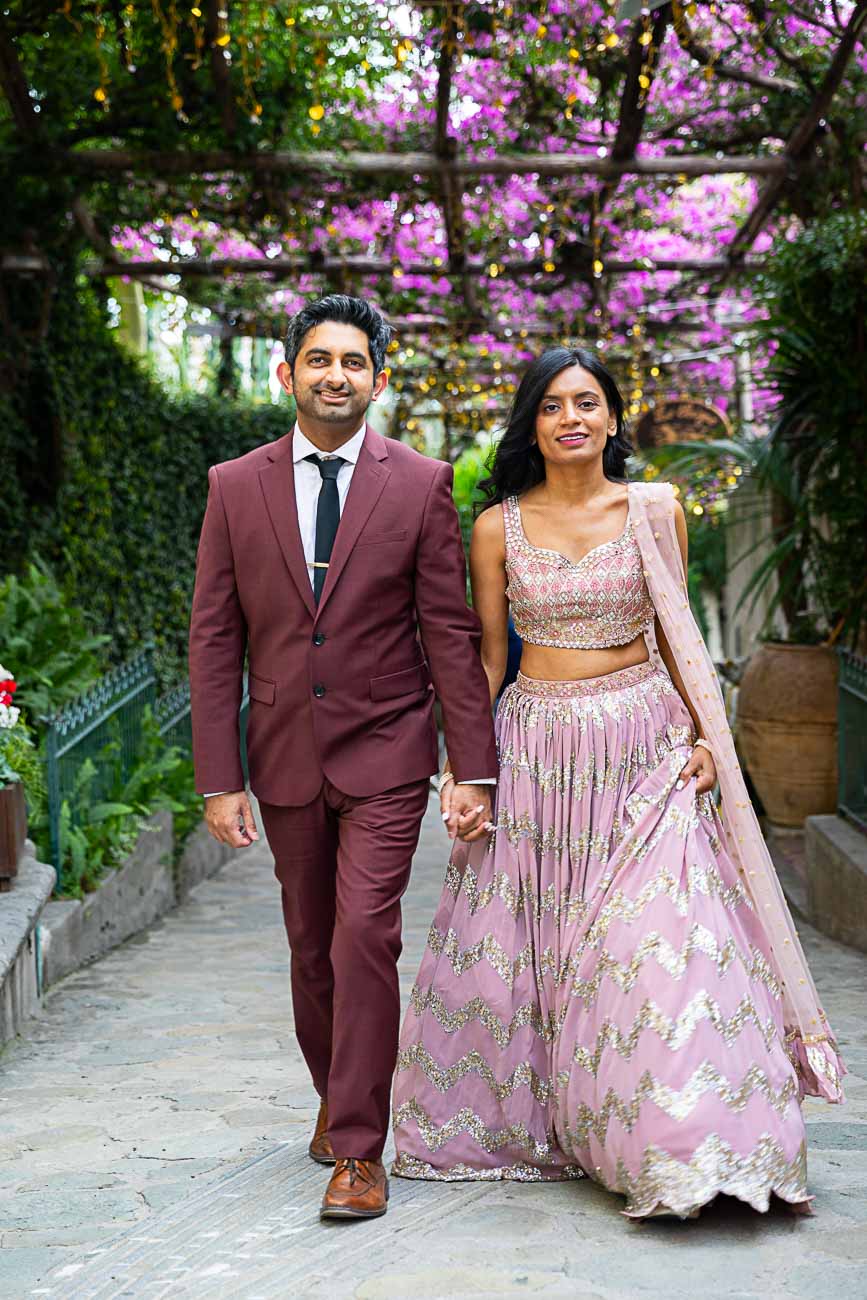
447	172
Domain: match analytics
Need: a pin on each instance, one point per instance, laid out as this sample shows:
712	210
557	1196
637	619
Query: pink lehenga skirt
595	997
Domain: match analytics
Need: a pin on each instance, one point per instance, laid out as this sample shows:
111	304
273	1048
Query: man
332	559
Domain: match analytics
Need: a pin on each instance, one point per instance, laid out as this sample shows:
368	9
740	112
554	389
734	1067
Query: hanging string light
316	111
101	92
197	27
251	58
128	37
168	24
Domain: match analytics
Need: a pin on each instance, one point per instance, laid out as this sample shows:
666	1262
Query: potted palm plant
811	469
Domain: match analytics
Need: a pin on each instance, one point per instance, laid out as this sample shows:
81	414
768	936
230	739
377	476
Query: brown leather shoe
358	1190
320	1145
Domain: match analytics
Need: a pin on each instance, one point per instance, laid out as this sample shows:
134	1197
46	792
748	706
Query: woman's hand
466	811
702	767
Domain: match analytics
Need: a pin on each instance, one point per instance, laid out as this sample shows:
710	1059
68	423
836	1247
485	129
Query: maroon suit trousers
343	864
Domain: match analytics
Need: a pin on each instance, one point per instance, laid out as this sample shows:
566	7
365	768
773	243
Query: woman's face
573	421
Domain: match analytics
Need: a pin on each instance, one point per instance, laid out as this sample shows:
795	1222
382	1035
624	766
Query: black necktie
327	518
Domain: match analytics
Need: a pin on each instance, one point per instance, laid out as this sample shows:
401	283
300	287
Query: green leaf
100	812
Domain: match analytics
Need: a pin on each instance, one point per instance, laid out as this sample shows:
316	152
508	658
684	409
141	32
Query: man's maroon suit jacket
344	690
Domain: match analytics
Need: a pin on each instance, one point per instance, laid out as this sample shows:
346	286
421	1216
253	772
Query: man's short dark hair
346	311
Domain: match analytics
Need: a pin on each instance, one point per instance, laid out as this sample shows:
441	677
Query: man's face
333	382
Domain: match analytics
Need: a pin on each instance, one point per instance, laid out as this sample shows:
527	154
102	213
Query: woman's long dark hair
518	464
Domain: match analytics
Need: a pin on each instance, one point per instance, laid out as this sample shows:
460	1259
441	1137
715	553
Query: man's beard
309	403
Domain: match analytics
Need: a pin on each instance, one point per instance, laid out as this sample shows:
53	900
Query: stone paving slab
153	1127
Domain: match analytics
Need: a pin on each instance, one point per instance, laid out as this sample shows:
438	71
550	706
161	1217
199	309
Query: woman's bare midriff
548	664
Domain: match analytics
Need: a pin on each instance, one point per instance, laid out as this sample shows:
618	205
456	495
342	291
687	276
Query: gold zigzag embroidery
406	1166
507	968
673	819
528	1015
677	1032
706	881
672	960
575	846
445	1077
467	1121
513	897
699	880
567	778
714	1169
678	1104
489	948
584	711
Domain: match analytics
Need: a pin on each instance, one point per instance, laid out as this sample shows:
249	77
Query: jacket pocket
408	682
374	538
261	689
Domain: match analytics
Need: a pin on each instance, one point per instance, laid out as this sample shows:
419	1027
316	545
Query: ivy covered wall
105	475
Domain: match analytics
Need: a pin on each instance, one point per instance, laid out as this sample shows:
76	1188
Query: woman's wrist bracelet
705	744
444	780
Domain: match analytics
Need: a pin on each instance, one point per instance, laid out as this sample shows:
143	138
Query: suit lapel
278	488
369	477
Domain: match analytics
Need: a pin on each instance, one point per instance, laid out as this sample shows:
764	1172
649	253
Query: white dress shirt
308	484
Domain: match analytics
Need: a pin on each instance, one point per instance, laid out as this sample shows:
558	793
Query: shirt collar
350	450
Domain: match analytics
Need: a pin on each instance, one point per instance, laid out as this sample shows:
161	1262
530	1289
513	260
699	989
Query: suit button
319	690
319	638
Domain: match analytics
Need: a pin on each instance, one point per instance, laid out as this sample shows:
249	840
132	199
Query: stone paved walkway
153	1125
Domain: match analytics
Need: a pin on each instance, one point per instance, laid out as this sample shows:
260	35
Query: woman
612	985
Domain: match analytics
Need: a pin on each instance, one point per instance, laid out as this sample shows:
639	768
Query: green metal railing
105	726
852	789
110	714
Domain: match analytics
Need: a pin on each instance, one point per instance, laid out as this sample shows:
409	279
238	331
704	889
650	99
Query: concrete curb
21	977
202	857
75	932
794	886
837	880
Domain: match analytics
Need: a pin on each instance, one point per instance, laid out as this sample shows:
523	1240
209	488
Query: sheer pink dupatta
808	1034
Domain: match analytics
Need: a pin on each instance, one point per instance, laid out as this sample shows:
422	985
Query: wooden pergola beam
692	46
98	162
422	327
801	140
634	97
282	267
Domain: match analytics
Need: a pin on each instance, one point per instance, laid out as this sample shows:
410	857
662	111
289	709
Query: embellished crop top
600	601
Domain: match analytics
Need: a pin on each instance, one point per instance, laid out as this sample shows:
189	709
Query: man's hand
467	811
229	818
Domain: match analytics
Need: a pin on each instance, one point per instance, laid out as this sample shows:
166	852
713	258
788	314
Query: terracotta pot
13	830
787	729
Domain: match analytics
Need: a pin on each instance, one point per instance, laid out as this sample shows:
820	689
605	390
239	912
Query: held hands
702	767
466	811
229	819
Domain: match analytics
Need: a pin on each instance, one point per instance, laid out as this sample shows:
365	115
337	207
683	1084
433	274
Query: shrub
97	831
121	530
57	657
